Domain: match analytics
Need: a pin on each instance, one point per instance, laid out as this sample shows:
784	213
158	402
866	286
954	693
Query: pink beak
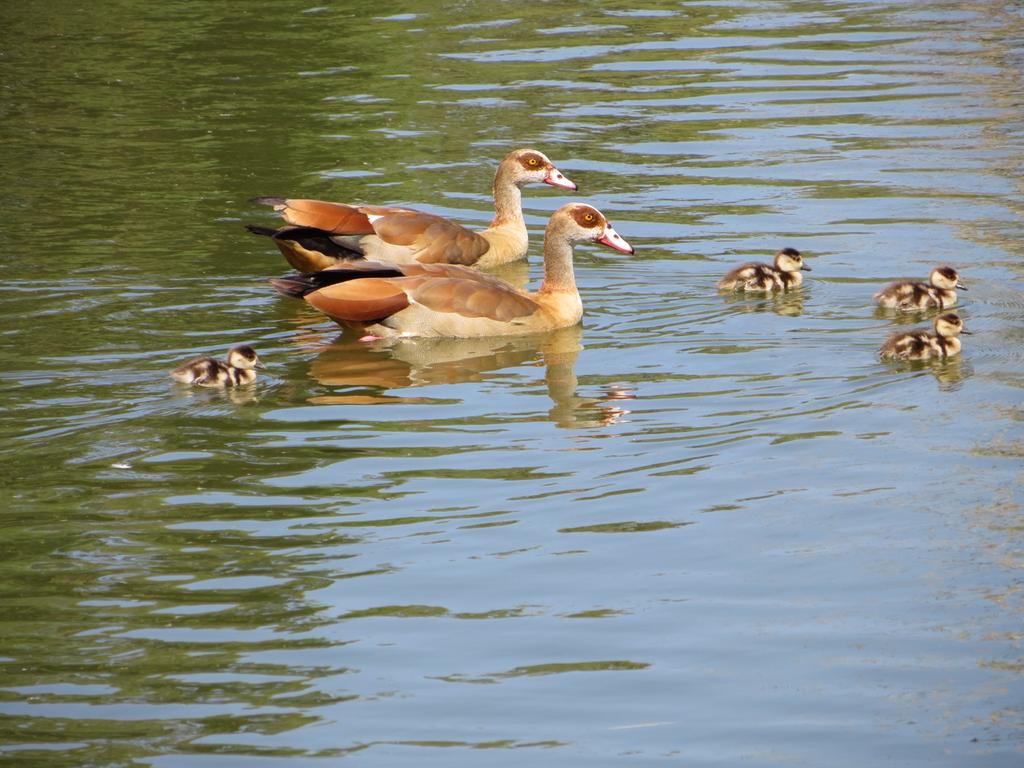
556	179
612	239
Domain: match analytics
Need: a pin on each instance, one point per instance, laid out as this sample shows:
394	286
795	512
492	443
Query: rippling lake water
696	531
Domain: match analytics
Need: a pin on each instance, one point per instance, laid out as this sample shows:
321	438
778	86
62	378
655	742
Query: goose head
244	357
528	166
790	260
949	325
580	223
946	278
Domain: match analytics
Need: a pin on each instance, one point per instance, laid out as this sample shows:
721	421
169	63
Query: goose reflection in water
233	395
899	318
787	304
949	373
400	364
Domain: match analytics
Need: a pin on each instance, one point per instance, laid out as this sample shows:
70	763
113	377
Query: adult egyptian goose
909	295
765	278
922	344
322	234
238	369
400	300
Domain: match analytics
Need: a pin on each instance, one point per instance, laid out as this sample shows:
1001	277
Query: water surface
695	531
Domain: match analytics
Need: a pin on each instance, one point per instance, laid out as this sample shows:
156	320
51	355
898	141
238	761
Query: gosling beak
556	179
612	239
961	286
805	268
966	332
259	364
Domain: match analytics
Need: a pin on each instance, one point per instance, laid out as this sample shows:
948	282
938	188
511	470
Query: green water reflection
699	529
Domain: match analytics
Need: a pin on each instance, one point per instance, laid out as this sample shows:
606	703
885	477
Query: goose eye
533	161
588	217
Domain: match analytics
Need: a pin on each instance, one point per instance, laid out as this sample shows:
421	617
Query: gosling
942	342
765	277
908	295
207	372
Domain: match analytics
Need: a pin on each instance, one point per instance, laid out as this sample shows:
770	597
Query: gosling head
244	357
528	166
949	325
946	278
790	260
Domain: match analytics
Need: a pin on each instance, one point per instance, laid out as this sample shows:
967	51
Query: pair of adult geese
395	272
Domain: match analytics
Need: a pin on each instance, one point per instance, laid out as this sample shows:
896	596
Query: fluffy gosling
908	295
922	344
785	274
207	372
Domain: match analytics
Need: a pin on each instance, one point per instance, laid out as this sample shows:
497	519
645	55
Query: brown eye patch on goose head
532	161
587	217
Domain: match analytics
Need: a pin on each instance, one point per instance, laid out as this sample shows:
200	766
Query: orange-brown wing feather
361	300
455	271
433	239
336	218
442	288
471	298
303	259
